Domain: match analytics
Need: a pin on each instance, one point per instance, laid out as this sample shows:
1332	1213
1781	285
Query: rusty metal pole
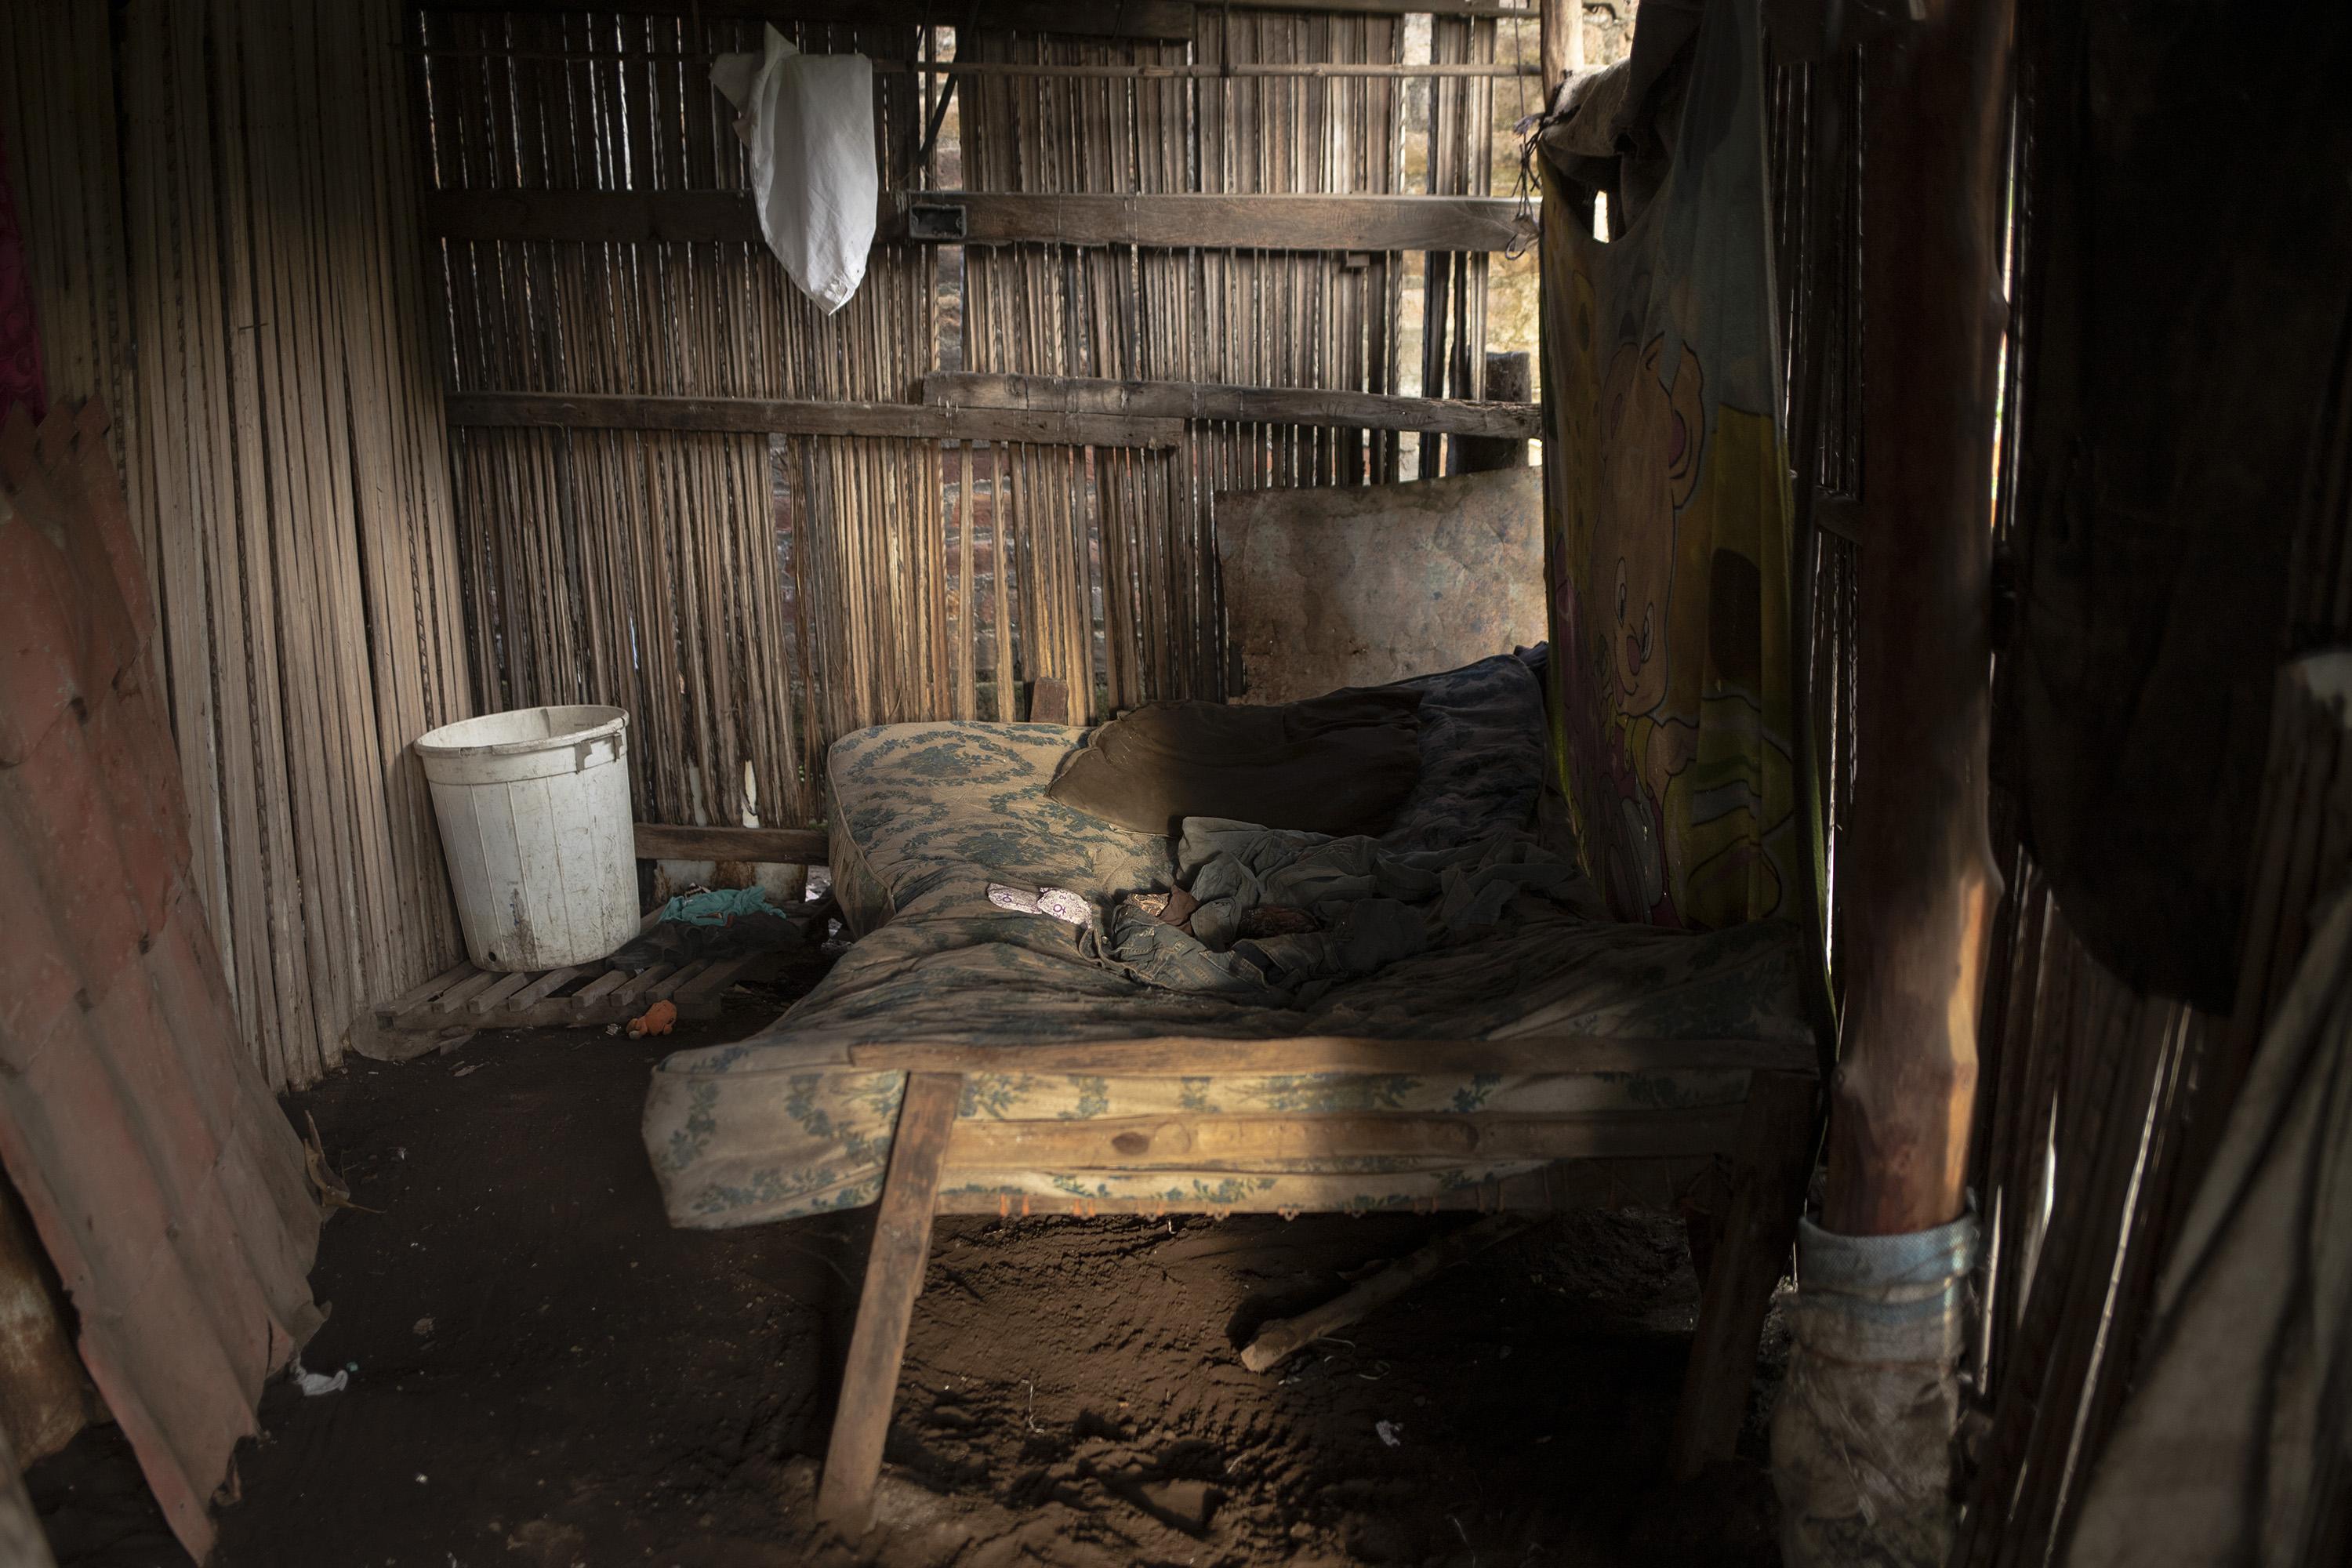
1923	880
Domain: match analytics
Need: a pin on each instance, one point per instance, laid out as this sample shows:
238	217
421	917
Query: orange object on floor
657	1019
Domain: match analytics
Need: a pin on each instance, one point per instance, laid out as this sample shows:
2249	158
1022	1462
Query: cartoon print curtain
1668	510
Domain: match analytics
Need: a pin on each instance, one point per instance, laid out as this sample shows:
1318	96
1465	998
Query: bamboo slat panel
240	276
668	573
907	578
1143	567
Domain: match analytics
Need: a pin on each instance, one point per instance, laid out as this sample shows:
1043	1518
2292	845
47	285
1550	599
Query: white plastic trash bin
535	824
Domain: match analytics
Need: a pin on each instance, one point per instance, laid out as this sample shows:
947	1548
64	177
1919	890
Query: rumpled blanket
1374	905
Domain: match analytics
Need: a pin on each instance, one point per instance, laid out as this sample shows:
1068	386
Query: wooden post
1510	378
885	1304
1923	881
1563	44
1769	1169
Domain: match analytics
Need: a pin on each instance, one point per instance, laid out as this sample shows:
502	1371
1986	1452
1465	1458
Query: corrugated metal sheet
161	1177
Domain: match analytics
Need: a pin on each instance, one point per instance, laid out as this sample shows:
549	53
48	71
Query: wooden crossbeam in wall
794	417
1105	19
1101	19
779	846
1247	404
1187	222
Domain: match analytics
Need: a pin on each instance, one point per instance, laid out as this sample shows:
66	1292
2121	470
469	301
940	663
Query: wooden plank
594	217
707	987
1655	1184
1125	71
778	845
1489	9
794	417
1049	700
1257	1142
464	991
1180	1056
1147	70
669	983
507	985
1176	221
539	989
1286	1337
1199	400
593	994
893	1277
387	1011
1219	222
1107	20
632	990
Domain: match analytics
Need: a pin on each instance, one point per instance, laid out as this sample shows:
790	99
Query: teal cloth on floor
719	907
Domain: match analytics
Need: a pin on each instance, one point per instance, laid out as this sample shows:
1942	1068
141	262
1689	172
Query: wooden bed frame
1739	1170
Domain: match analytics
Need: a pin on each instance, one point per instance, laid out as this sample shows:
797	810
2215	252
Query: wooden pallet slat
387	1012
635	986
668	985
484	1001
465	990
597	991
713	983
545	985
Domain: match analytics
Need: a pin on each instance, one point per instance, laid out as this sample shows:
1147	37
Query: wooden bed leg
1775	1161
893	1277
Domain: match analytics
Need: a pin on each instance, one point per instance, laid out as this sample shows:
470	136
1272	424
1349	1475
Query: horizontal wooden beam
1255	1142
1214	222
1482	8
1105	19
1148	70
789	416
1102	20
990	217
1244	404
594	217
779	846
1659	1185
1190	1055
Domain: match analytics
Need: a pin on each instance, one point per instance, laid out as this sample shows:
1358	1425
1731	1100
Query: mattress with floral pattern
929	817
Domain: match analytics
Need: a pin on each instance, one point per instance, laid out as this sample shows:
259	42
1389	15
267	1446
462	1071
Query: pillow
1340	764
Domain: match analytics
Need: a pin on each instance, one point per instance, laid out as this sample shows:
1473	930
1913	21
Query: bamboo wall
750	598
238	273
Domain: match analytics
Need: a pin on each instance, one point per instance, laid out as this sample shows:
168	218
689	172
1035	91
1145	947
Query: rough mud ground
548	1375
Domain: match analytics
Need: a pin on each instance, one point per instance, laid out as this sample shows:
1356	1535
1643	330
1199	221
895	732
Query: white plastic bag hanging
809	122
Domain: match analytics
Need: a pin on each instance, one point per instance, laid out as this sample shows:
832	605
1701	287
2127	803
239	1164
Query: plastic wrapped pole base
1862	1439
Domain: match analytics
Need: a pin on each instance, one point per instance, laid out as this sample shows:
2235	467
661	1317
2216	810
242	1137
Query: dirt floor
545	1374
